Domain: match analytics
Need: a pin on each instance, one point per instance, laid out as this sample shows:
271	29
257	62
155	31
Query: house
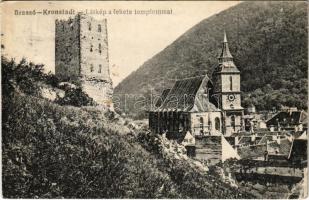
289	120
200	105
298	153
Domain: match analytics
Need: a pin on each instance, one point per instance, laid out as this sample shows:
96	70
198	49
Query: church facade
200	105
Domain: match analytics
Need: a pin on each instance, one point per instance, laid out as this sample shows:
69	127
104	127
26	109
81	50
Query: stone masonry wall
67	55
94	48
100	91
82	52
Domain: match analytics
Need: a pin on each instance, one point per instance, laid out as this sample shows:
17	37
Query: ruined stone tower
81	54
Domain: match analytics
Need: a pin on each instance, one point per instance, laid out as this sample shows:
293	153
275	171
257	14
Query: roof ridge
192	77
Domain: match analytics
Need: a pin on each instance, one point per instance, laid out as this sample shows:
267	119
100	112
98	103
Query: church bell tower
226	80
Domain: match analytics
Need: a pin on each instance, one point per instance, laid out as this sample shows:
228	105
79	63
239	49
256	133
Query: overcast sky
133	39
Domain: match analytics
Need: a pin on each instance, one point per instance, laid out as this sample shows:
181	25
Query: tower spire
225	53
224	37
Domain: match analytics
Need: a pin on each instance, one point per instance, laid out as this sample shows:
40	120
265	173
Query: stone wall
94	48
67	54
101	91
226	81
82	54
228	104
208	149
209	122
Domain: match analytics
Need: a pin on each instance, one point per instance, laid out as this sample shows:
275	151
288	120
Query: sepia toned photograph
154	99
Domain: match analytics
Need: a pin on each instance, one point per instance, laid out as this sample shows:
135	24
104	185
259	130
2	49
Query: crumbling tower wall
81	54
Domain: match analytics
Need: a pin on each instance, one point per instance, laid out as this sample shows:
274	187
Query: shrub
191	181
50	151
24	77
75	97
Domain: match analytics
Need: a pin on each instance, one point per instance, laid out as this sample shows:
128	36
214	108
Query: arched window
217	123
91	46
201	124
231	83
91	67
89	26
100	47
233	122
209	124
100	68
99	28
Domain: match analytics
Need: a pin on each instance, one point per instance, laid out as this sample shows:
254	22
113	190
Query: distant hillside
267	39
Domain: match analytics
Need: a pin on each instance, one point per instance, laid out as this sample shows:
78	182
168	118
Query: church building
200	105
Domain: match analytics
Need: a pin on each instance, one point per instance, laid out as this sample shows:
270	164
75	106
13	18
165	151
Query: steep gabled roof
299	150
162	97
284	147
183	95
252	152
286	117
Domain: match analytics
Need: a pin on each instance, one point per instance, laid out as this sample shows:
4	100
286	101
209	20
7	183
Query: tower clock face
231	97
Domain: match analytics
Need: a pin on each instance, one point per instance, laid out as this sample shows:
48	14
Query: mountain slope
267	39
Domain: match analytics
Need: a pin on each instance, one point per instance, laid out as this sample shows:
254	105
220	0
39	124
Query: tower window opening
217	123
233	122
231	83
91	48
99	28
89	26
201	125
100	68
91	68
100	48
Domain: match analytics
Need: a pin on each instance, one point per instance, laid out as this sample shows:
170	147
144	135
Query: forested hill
267	39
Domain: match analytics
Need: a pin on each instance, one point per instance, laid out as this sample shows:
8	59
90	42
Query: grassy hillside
54	151
267	39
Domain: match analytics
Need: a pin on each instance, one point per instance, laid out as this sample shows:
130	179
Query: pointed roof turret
224	37
225	53
226	63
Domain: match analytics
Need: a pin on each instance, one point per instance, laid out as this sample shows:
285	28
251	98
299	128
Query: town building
200	105
289	119
81	55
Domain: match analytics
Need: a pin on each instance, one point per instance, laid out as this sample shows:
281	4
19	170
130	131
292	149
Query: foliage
191	181
75	97
267	39
23	76
28	78
50	151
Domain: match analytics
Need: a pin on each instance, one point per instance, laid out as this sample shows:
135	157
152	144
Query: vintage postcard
154	99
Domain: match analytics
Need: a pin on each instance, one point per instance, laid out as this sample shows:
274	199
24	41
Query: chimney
278	139
253	136
236	140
